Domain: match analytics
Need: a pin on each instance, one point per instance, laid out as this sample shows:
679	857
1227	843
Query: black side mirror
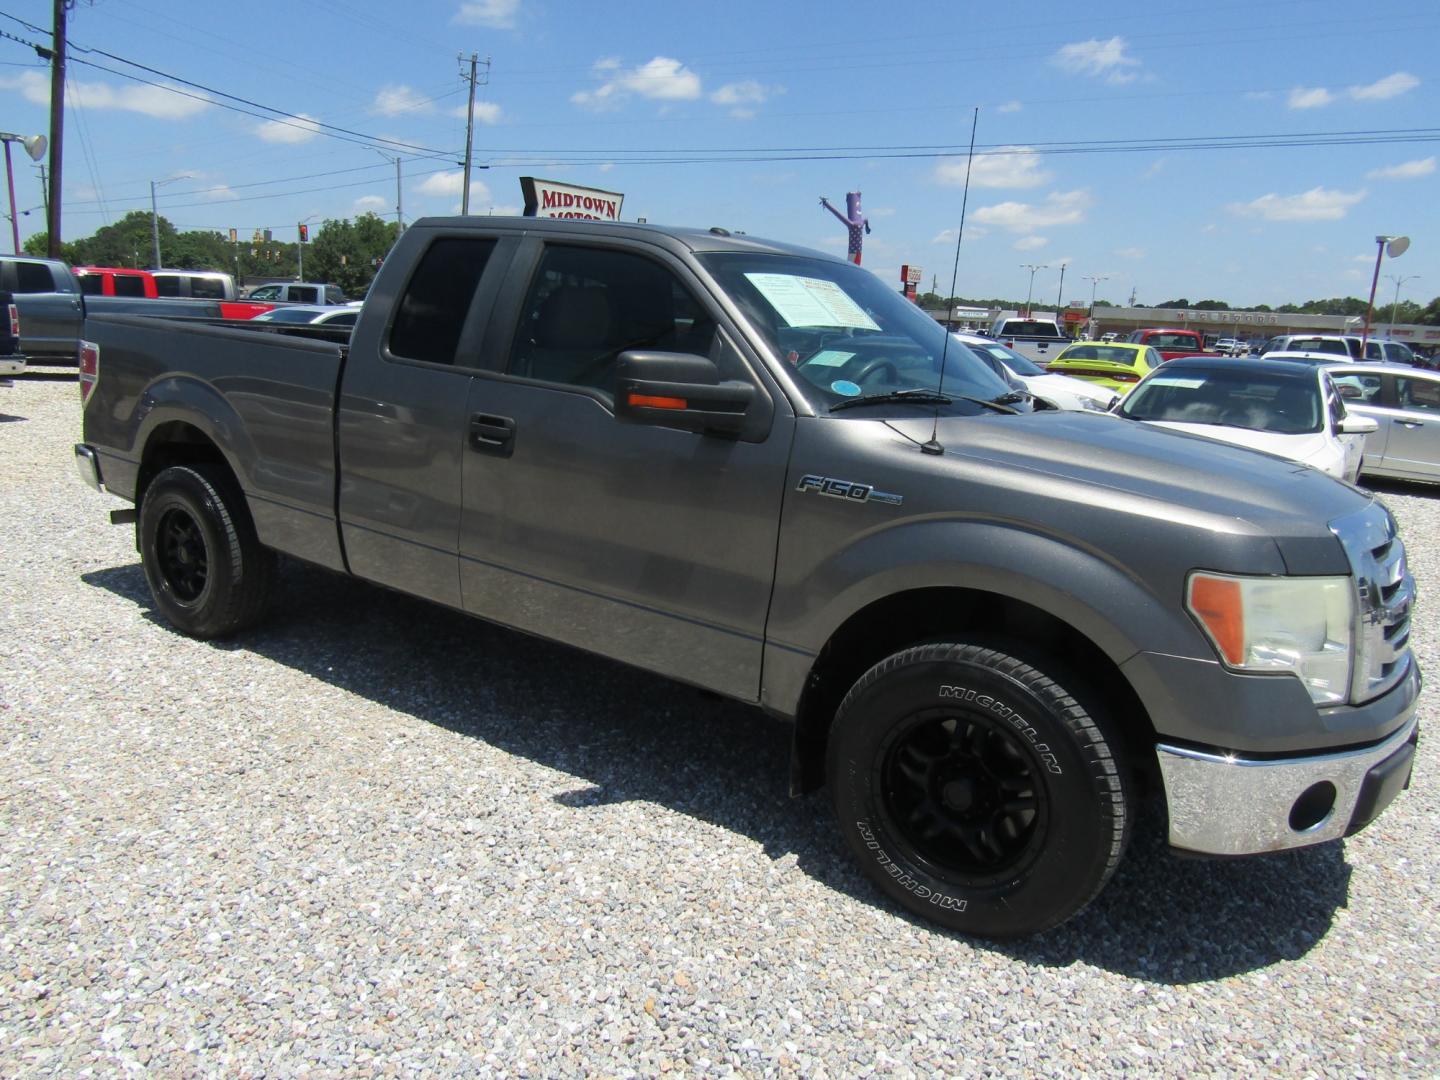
679	390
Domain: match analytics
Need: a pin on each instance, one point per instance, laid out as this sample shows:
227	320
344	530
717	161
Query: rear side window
125	285
33	277
206	288
305	294
432	311
168	286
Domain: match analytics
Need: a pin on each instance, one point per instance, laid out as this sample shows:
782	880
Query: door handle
1410	423
492	434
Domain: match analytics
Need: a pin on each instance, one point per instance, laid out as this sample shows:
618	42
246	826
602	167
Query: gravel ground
377	838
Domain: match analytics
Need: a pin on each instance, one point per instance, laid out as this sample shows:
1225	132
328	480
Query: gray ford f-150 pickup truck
757	469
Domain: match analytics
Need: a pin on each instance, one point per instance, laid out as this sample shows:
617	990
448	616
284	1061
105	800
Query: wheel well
911	618
175	443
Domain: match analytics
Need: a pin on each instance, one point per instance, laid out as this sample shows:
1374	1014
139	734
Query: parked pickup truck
1172	343
758	470
52	304
1039	340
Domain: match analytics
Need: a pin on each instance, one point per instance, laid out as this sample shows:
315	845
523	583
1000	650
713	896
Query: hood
1293	447
1067	384
1100	461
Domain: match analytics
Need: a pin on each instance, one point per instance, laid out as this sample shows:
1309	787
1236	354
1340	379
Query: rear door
649	545
1414	444
401	417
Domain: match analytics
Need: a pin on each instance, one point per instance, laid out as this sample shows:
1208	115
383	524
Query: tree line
1350	306
340	252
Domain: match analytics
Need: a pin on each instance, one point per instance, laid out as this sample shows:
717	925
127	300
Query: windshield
1278	403
1020	365
846	334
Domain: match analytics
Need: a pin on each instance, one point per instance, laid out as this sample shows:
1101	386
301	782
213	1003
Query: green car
1113	364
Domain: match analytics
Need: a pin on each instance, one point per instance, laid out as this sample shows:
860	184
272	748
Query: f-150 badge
846	489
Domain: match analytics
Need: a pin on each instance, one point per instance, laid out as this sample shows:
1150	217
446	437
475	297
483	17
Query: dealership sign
552	199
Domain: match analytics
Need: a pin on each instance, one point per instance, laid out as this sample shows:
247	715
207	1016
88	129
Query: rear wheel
976	790
209	574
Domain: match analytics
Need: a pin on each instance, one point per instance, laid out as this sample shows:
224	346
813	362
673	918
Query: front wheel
209	574
976	790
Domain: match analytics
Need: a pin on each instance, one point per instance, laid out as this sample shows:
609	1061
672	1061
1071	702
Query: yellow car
1114	364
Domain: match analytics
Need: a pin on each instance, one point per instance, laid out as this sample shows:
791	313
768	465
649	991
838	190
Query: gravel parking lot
376	837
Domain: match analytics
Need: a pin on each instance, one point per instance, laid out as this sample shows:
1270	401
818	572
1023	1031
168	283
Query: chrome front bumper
1226	805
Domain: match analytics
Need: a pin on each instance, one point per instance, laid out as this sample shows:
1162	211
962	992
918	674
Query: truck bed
272	394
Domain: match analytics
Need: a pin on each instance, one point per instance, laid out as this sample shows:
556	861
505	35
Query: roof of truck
714	238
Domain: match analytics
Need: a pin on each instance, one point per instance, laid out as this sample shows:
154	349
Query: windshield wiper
998	403
913	397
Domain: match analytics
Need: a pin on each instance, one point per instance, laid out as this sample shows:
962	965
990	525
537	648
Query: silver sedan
1404	402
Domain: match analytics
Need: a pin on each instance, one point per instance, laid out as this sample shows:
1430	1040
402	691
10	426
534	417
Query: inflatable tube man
852	219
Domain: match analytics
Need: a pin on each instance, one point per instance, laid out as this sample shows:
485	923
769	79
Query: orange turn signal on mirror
647	401
1216	602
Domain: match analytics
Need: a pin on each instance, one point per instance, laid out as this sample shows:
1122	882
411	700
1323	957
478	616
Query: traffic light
304	234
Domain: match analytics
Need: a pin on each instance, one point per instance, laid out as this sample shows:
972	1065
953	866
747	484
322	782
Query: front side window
432	311
168	286
588	305
91	284
846	334
266	292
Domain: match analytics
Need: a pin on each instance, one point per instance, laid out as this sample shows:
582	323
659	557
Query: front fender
1089	590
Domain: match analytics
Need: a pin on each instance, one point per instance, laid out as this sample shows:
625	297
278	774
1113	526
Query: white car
1290	410
1229	346
1056	391
1405	403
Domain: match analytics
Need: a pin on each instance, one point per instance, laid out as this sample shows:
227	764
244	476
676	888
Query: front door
649	545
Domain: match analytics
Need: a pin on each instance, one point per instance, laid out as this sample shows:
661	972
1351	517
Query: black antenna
933	446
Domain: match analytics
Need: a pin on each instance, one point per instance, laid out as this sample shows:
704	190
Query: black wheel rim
181	556
963	793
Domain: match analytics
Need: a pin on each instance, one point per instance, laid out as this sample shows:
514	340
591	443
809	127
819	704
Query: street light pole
1060	293
1395	307
155	220
1032	267
1397	246
35	147
1094	280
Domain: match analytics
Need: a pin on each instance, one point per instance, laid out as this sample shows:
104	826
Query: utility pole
1032	267
1060	296
472	78
57	123
399	212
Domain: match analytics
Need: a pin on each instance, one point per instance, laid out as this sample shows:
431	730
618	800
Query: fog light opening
1313	806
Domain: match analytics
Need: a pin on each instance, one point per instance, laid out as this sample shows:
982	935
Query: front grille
1385	592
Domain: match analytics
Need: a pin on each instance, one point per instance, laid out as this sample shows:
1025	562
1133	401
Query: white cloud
1130	253
1099	59
1059	208
1031	243
1408	170
369	202
217	193
486	112
881	211
1006	167
1155	168
497	13
947	236
1009	107
153	101
1386	88
743	97
299	130
395	99
1317	204
452	185
661	79
1302	97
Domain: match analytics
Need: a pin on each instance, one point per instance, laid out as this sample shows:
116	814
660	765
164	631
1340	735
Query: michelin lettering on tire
903	879
1018	722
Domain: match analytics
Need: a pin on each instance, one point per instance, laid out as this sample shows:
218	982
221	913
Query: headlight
1300	625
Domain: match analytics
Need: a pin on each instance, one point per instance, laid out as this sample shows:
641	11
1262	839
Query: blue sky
803	100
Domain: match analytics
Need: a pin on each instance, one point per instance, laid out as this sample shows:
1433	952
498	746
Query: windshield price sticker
1177	381
806	301
830	358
